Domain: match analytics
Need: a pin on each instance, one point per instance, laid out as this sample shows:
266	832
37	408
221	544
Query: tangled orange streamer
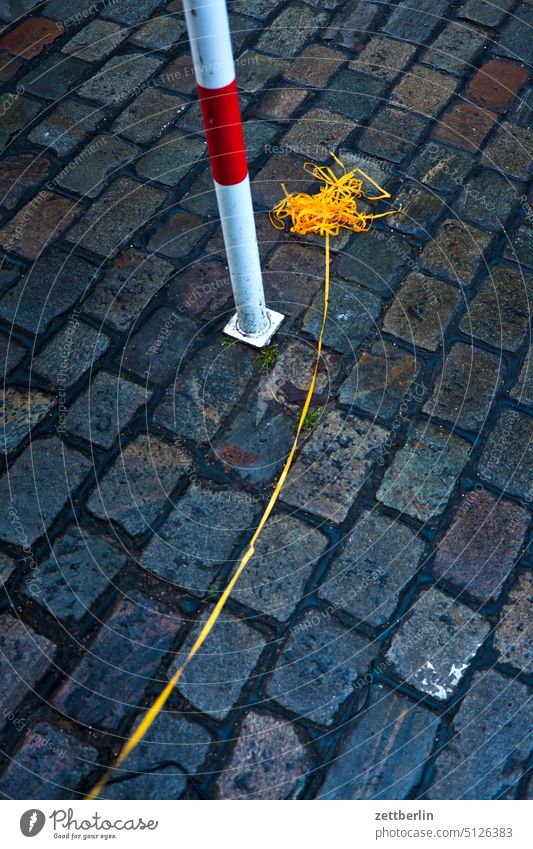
333	208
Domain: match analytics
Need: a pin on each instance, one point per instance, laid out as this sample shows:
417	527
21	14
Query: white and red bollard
209	37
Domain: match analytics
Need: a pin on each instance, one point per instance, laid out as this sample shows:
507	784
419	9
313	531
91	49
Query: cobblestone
31	37
371	764
184	553
137	488
52	286
178	235
455	48
155	352
50	764
288	33
442	168
41	482
423	474
514	42
127	287
435	643
269	760
7	567
479	549
259	9
415	23
465	125
172	159
456	252
20	411
55	77
465	388
422	310
317	134
382	57
523	388
166	783
507	150
496	84
292	276
38	224
11	354
256	441
96	41
521	248
279	104
17	117
508	454
26	657
378	559
213	684
119	211
424	90
487	746
522	113
202	290
149	115
9	66
353	313
124	12
81	567
153	768
420	212
255	70
505	294
205	391
373	260
510	638
110	679
357	17
99	160
67	126
161	33
488	200
393	134
317	668
381	380
315	66
272	590
487	14
353	94
119	78
179	75
288	380
333	465
104	409
266	186
20	173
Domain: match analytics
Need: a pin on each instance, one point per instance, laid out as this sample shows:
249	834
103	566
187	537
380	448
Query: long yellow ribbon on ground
333	208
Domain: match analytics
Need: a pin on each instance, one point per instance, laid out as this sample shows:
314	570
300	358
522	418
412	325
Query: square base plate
259	340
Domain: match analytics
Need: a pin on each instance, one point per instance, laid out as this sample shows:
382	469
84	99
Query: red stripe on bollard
225	139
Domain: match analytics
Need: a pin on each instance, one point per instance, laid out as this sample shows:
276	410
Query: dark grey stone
435	643
199	536
371	763
318	666
379	557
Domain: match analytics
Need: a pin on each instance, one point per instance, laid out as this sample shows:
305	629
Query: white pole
209	36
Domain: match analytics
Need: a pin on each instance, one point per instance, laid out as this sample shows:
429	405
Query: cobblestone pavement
378	645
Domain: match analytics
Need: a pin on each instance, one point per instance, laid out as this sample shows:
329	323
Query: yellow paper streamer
333	208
